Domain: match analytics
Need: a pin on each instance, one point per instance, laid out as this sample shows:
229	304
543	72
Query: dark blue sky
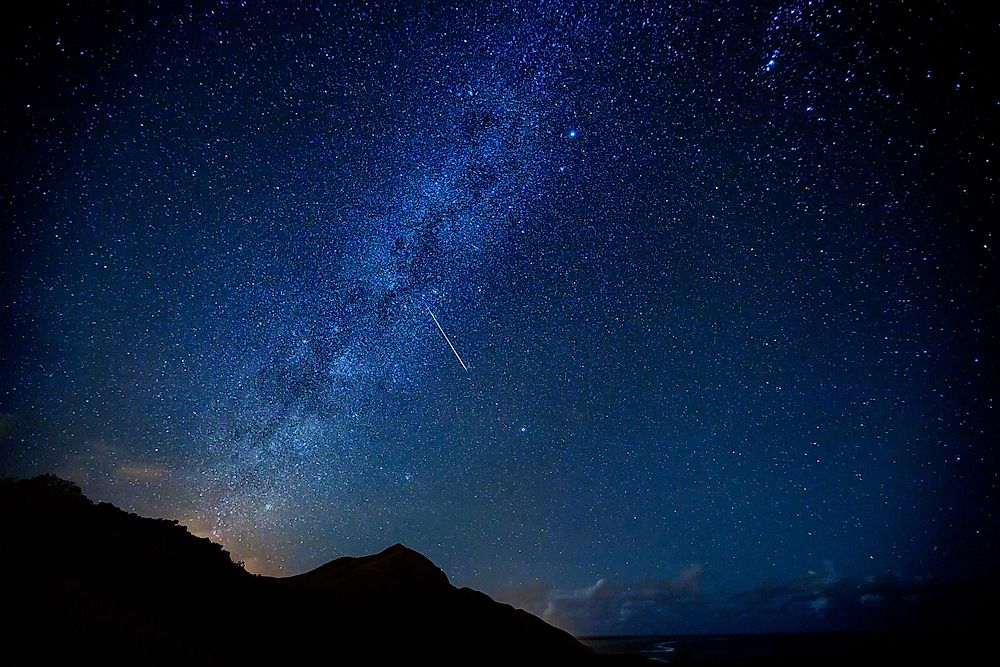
722	275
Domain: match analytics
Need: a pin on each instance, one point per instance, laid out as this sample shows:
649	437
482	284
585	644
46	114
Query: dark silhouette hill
89	582
397	566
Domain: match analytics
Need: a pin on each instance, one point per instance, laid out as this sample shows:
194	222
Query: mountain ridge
396	562
91	581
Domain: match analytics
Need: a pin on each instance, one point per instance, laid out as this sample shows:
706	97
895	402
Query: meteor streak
448	340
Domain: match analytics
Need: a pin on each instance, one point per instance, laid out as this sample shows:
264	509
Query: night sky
721	277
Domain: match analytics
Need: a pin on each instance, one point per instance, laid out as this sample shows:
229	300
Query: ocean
813	649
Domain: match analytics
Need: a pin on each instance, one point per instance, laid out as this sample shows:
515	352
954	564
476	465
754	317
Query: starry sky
720	274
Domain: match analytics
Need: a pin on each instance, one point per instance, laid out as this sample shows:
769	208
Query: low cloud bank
816	601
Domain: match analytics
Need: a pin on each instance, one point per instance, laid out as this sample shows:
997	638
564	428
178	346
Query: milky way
718	272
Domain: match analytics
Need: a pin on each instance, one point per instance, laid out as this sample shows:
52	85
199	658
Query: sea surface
785	649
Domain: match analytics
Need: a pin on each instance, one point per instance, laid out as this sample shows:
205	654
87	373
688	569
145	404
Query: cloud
814	601
582	610
777	595
606	607
889	601
532	596
142	472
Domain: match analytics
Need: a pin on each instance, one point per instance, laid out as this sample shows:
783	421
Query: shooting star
448	340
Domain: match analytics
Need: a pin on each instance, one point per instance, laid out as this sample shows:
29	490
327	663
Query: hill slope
89	581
